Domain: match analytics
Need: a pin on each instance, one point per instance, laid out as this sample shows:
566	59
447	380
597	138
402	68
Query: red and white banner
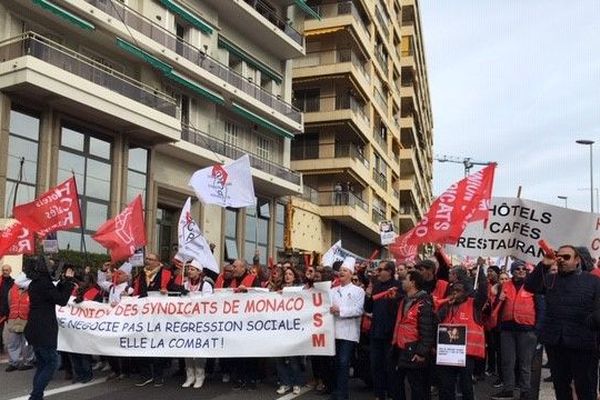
192	244
125	233
404	252
225	324
16	239
57	209
225	185
463	202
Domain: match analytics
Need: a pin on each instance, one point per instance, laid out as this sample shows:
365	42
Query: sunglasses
565	257
519	269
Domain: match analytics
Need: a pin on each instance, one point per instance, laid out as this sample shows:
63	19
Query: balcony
219	146
266	11
382	60
336	14
377	216
333	108
332	158
381	100
382	23
162	36
333	62
50	67
380	179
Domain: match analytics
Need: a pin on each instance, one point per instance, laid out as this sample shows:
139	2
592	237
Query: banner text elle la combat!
225	324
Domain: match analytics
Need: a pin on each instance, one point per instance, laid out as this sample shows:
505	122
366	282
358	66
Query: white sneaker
226	378
296	390
106	368
283	389
97	366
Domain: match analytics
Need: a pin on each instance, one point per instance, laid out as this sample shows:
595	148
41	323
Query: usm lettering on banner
219	325
516	225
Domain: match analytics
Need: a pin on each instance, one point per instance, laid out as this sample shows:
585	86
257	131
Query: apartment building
133	96
366	150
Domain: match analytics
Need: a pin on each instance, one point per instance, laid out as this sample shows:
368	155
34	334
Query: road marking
291	395
67	388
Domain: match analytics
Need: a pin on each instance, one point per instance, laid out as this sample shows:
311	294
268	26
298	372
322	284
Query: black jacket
5	285
427	324
570	302
384	311
42	329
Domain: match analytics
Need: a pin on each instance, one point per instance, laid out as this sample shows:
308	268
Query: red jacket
519	305
18	301
407	325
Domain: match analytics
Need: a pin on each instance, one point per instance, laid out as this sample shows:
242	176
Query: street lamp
563	198
590	143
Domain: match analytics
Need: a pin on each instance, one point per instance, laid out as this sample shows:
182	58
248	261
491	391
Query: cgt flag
125	233
57	209
463	202
192	244
16	239
225	185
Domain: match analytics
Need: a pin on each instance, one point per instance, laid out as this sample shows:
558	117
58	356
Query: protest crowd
414	326
391	310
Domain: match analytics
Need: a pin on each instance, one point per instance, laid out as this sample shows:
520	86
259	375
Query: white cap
195	264
126	268
349	263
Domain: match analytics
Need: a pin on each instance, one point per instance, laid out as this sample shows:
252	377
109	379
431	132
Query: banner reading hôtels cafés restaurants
516	225
225	324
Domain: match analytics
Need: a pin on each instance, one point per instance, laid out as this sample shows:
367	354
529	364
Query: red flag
57	209
402	251
450	213
16	239
125	233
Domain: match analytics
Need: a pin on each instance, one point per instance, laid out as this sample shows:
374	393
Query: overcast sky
516	82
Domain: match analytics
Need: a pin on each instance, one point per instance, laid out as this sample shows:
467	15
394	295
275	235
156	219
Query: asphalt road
16	385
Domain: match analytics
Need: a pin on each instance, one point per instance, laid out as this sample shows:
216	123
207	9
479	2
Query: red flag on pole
16	239
463	202
57	209
125	233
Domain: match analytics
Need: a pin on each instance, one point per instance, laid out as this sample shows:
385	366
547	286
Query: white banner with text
516	225
224	324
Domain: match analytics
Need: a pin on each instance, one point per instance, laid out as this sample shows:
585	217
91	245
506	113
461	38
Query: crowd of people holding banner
436	326
405	312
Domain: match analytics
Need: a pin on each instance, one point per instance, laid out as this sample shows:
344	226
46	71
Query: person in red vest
20	353
518	319
224	279
245	368
433	285
464	308
153	278
413	340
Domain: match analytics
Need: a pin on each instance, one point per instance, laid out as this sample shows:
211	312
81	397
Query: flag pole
506	258
82	225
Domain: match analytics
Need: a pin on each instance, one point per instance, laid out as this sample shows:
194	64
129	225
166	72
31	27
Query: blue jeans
344	349
47	362
289	370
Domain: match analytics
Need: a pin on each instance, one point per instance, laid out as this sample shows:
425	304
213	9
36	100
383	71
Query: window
89	158
231	221
279	228
257	230
166	231
232	133
24	132
263	147
307	100
137	173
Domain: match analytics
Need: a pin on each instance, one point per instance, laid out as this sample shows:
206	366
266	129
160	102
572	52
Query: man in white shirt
116	284
347	308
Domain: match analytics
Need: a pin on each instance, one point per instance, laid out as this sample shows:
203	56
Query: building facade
366	151
133	96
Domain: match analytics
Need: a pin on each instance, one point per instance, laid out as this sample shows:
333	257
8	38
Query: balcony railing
341	198
145	26
350	150
380	99
380	179
219	146
377	216
380	140
341	8
42	48
348	55
382	23
396	193
332	103
406	209
382	61
267	11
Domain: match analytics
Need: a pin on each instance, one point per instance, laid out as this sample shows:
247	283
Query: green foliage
79	258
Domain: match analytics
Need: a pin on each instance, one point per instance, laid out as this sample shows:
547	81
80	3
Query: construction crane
467	162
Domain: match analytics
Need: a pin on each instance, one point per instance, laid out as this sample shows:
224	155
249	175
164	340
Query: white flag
192	244
225	185
333	254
